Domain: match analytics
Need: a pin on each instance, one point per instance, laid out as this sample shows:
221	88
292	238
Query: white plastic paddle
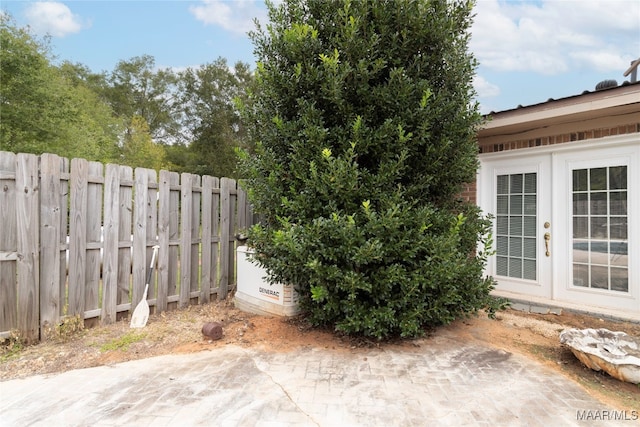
141	313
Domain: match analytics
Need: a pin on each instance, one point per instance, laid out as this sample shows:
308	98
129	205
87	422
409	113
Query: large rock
616	353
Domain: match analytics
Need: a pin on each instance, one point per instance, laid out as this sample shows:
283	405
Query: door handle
547	239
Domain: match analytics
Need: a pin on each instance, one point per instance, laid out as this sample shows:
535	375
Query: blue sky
529	51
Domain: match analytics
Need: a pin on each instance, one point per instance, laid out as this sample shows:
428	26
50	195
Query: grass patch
12	346
122	343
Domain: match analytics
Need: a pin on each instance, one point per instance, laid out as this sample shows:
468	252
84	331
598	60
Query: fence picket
164	218
215	235
186	206
174	237
95	239
225	202
64	232
50	231
194	266
77	236
207	197
231	240
124	239
110	256
28	272
139	235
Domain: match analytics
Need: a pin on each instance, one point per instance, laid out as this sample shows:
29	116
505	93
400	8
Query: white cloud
53	18
553	36
484	88
236	16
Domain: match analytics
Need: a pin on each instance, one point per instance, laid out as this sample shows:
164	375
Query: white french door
566	222
597	203
517	193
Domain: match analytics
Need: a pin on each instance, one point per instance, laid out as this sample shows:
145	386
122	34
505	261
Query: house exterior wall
551	142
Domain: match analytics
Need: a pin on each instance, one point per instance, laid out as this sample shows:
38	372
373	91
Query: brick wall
560	139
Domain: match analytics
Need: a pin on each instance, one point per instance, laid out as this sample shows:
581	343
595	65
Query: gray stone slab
537	309
521	307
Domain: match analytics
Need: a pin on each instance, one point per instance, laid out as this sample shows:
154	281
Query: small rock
212	330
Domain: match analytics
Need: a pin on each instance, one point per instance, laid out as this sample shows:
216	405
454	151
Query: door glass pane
530	226
502	225
618	178
600	224
503	184
516	203
580	275
598	179
529	248
530	183
598	204
580	227
529	269
580	180
516	182
503	205
502	266
580	204
618	203
530	205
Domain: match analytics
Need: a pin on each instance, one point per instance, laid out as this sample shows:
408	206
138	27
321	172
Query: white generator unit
255	295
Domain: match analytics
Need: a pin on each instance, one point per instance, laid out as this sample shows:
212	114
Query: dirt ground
180	331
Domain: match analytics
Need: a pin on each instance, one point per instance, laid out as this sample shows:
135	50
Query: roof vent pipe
633	70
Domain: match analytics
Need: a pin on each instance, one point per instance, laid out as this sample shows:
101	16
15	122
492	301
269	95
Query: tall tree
365	123
138	149
210	116
137	88
41	109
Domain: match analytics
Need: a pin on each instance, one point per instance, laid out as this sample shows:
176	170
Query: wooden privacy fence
76	239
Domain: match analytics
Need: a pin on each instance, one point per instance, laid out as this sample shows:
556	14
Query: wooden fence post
206	197
168	234
140	212
95	240
78	236
124	239
28	263
186	205
233	204
194	288
110	255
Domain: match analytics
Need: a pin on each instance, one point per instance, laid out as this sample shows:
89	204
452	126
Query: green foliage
136	115
43	108
11	346
138	149
136	88
211	118
364	123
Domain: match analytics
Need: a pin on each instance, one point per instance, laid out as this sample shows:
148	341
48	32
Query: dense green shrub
365	126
